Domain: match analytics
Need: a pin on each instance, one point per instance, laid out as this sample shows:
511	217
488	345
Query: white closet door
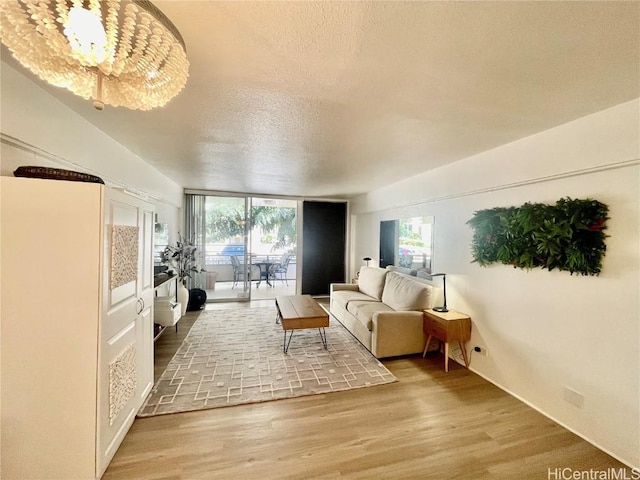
144	325
126	338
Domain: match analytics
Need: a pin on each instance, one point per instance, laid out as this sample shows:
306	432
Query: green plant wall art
566	236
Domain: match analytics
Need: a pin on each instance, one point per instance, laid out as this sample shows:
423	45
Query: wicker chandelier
120	52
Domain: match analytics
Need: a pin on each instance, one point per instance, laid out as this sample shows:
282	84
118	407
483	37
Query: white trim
17	143
532	181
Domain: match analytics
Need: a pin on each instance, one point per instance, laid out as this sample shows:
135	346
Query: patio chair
281	268
238	272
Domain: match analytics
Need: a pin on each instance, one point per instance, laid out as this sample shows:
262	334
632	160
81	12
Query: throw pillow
371	281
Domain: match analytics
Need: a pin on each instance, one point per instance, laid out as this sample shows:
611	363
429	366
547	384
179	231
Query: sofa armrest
397	333
334	287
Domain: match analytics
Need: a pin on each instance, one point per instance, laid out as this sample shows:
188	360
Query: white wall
544	330
39	130
36	129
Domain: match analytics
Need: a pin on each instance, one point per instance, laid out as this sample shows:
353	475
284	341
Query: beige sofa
383	311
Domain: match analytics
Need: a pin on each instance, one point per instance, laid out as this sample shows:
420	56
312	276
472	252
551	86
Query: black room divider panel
324	234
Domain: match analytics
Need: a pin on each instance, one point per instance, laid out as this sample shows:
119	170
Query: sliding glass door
247	245
273	237
220	226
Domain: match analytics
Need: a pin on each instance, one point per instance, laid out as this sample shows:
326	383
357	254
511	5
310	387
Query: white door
125	348
144	325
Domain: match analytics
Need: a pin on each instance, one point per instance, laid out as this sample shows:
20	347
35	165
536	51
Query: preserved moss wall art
566	236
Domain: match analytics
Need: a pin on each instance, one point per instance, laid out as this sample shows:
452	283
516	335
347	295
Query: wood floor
428	425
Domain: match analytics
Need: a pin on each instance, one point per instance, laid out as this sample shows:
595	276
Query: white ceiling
332	99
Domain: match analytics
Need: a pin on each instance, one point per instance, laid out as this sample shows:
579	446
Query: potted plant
182	259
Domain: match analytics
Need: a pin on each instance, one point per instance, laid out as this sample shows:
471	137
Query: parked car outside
233	249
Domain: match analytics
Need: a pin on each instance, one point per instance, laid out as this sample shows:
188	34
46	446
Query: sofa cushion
402	293
363	311
343	297
371	281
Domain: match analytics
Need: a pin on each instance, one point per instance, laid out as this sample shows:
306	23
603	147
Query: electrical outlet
574	398
481	350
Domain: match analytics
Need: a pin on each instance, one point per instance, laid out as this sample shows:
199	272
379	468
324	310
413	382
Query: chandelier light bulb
86	35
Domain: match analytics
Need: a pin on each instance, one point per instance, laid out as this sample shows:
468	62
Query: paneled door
125	350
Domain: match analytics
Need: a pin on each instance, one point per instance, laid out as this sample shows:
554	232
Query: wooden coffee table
296	312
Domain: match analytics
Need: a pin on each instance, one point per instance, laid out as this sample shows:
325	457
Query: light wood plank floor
429	425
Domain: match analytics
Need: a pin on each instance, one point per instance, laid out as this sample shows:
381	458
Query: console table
165	313
448	327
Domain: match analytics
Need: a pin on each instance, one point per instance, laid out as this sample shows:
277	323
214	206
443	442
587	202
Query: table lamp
444	287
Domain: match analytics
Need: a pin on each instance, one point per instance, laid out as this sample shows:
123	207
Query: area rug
233	357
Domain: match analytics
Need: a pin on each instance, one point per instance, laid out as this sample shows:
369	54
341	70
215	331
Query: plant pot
211	280
183	297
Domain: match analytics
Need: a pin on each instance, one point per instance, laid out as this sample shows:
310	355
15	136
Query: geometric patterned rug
233	357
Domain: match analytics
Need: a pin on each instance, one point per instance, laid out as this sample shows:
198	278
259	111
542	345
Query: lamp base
440	309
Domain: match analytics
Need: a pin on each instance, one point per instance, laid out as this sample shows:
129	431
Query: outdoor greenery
281	221
568	236
226	221
409	237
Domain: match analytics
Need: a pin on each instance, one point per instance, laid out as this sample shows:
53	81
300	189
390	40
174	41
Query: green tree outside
225	222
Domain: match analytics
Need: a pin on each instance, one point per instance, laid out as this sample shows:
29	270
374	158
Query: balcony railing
215	261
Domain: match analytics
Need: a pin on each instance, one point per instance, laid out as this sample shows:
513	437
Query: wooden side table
448	327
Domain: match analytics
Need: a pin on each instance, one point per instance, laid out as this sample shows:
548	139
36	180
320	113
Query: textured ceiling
332	99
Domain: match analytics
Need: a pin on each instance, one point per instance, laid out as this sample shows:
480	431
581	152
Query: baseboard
555	420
